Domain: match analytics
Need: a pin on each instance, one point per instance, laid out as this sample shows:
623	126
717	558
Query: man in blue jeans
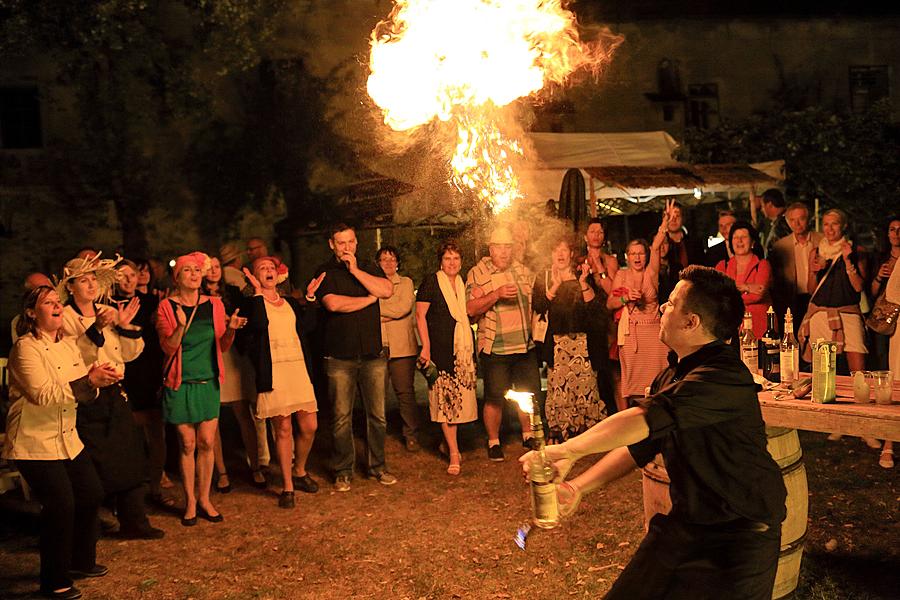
353	353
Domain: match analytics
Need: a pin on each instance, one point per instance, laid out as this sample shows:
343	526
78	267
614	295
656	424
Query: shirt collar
694	360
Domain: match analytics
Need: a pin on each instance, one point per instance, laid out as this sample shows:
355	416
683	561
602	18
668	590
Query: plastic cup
883	382
860	386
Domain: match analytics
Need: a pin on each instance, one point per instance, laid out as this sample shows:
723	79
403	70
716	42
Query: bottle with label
749	350
790	352
769	349
544	502
824	355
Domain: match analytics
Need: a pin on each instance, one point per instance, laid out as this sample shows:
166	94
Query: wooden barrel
784	446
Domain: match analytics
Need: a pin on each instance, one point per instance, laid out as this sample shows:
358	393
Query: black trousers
70	494
694	562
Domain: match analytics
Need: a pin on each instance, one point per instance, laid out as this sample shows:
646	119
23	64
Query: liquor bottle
544	503
789	358
769	349
749	350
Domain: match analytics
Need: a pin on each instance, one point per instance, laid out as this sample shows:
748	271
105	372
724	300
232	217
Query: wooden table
880	421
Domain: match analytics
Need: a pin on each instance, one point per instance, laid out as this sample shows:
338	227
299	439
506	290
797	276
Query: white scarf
829	250
456	302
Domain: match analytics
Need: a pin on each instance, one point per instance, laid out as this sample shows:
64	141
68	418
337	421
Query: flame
460	62
525	400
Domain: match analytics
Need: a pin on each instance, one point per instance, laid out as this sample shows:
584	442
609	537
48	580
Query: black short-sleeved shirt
704	417
349	335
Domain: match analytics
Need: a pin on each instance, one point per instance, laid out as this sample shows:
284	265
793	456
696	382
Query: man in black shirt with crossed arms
722	537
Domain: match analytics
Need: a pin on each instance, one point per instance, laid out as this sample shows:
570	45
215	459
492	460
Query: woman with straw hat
108	335
194	332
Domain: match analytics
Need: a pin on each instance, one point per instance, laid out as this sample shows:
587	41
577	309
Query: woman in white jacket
47	378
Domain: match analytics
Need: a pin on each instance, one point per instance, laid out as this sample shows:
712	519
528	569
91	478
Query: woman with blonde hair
194	332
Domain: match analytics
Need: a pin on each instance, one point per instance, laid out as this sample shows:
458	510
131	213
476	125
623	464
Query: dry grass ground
433	536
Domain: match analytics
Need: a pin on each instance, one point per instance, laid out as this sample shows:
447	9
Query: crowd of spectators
118	348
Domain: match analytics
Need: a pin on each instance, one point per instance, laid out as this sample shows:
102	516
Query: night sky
622	10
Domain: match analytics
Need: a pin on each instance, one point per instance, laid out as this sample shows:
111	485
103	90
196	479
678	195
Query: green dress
197	399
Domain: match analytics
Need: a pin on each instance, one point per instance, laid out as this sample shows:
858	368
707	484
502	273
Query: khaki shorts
854	331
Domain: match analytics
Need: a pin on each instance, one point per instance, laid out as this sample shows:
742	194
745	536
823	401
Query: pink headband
194	258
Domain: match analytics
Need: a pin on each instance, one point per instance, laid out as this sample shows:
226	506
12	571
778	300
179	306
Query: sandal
886	459
454	469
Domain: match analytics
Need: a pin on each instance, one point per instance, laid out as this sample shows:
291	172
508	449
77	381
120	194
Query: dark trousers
130	509
401	372
503	371
70	494
694	562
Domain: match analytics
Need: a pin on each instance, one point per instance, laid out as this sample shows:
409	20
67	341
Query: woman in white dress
276	335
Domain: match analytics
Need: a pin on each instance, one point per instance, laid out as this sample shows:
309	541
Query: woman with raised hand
447	342
109	335
194	332
576	332
635	297
751	273
47	377
277	344
237	389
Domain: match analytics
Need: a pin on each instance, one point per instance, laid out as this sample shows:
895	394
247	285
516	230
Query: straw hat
104	269
229	252
501	235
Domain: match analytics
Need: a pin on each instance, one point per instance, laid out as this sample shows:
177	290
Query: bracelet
310	298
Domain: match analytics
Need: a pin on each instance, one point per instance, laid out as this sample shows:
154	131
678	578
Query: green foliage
146	76
847	160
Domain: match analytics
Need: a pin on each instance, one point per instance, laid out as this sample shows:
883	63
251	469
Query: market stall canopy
628	170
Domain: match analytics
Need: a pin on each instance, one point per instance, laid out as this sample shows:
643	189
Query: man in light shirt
790	264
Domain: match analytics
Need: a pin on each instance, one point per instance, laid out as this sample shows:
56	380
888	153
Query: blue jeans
344	377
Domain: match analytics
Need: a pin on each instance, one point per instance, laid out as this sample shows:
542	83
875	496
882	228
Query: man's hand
562	462
508	291
349	260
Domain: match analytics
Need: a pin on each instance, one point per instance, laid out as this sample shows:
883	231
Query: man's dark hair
774	197
387	250
337	228
715	298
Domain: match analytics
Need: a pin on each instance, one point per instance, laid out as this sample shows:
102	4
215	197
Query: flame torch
544	504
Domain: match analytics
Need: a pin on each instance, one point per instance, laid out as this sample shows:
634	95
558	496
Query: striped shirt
506	326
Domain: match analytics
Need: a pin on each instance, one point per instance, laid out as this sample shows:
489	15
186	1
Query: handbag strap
821	281
174	354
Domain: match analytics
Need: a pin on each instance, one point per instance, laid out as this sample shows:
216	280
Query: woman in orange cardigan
190	325
752	274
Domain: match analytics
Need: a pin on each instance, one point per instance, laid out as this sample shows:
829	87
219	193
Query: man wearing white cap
498	291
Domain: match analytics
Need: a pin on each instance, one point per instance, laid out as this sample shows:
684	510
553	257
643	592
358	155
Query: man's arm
480	305
347	304
400	303
614	465
621	429
380	287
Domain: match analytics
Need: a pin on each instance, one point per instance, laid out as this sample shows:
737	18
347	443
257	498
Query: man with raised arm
353	353
722	537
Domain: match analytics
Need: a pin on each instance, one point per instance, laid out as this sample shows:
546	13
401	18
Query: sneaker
286	500
305	484
383	477
495	453
530	444
342	483
95	571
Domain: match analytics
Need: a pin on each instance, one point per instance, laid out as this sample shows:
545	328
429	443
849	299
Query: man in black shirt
353	353
722	537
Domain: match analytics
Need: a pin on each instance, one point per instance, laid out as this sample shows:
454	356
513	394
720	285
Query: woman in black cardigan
276	340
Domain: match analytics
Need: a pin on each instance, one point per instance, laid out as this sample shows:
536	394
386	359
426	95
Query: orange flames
461	62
